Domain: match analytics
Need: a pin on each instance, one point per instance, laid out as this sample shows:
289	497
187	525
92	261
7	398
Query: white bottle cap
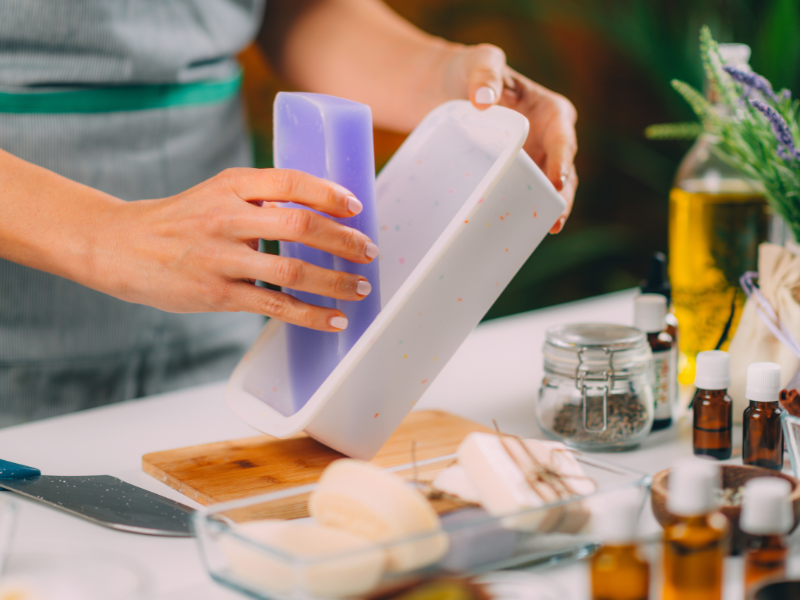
713	370
763	382
767	506
617	518
693	488
649	312
735	55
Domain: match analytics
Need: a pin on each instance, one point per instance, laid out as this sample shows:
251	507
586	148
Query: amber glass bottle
650	312
762	442
713	408
618	571
696	543
658	283
767	516
765	558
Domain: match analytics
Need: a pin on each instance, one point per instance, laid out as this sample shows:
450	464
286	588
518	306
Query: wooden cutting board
222	471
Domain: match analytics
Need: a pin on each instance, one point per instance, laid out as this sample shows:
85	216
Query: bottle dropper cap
693	488
763	382
767	506
657	281
617	518
649	312
713	370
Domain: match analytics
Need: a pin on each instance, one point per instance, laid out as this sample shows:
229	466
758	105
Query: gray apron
64	347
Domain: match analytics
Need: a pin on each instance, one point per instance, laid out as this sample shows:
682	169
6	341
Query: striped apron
139	99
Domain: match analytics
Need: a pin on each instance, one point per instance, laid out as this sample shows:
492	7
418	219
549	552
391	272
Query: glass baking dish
476	542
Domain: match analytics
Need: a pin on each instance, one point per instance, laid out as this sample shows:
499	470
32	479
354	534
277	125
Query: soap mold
460	209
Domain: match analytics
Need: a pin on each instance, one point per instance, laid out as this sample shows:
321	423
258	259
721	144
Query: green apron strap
122	98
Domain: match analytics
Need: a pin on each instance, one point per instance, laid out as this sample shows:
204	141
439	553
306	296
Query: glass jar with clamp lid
597	388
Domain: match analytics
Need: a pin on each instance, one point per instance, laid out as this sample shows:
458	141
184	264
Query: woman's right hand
198	251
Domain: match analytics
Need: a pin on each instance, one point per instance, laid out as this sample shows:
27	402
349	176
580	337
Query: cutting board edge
175	483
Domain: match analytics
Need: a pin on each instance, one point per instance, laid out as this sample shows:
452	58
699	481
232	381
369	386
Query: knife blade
102	499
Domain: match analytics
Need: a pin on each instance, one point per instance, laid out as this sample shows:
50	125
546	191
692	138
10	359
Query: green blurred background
614	59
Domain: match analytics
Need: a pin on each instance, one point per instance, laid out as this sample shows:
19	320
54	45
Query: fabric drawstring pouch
770	323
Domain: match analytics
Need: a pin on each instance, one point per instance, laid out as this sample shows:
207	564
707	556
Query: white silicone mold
460	209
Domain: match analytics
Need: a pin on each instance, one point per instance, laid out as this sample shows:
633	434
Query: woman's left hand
480	73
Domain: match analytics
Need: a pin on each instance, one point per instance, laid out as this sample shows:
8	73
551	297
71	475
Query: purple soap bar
330	138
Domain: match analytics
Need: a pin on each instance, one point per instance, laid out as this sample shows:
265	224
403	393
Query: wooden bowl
733	477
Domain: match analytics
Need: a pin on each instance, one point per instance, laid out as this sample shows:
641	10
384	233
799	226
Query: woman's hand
480	73
197	251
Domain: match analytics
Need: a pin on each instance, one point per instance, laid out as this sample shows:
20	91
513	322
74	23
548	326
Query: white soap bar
321	561
455	481
369	502
555	454
497	469
560	458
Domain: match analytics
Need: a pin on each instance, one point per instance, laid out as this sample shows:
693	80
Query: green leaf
673	131
699	104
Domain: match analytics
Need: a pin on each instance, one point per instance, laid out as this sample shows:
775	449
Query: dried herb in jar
625	418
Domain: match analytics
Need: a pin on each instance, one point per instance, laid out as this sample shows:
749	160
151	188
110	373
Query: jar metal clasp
606	380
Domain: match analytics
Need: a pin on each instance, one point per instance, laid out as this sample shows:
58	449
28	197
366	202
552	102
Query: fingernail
371	250
354	205
485	95
363	288
338	322
563	180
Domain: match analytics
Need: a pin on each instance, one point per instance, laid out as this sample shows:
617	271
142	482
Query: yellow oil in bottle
717	219
694	551
619	573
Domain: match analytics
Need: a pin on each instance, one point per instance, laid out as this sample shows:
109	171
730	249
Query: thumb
485	64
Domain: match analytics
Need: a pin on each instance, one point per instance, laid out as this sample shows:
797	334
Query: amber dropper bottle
767	516
762	444
618	572
658	283
696	543
713	408
649	314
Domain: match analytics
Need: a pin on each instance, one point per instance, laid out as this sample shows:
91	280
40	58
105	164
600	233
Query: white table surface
494	375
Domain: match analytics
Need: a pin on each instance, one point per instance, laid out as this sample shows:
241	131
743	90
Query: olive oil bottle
717	219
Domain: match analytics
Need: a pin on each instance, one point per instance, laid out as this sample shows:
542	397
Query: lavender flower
786	146
751	81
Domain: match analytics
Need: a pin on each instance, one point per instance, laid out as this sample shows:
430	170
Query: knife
102	499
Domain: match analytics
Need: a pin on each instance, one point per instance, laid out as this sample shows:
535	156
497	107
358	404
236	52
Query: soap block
455	481
370	503
336	564
331	138
497	468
